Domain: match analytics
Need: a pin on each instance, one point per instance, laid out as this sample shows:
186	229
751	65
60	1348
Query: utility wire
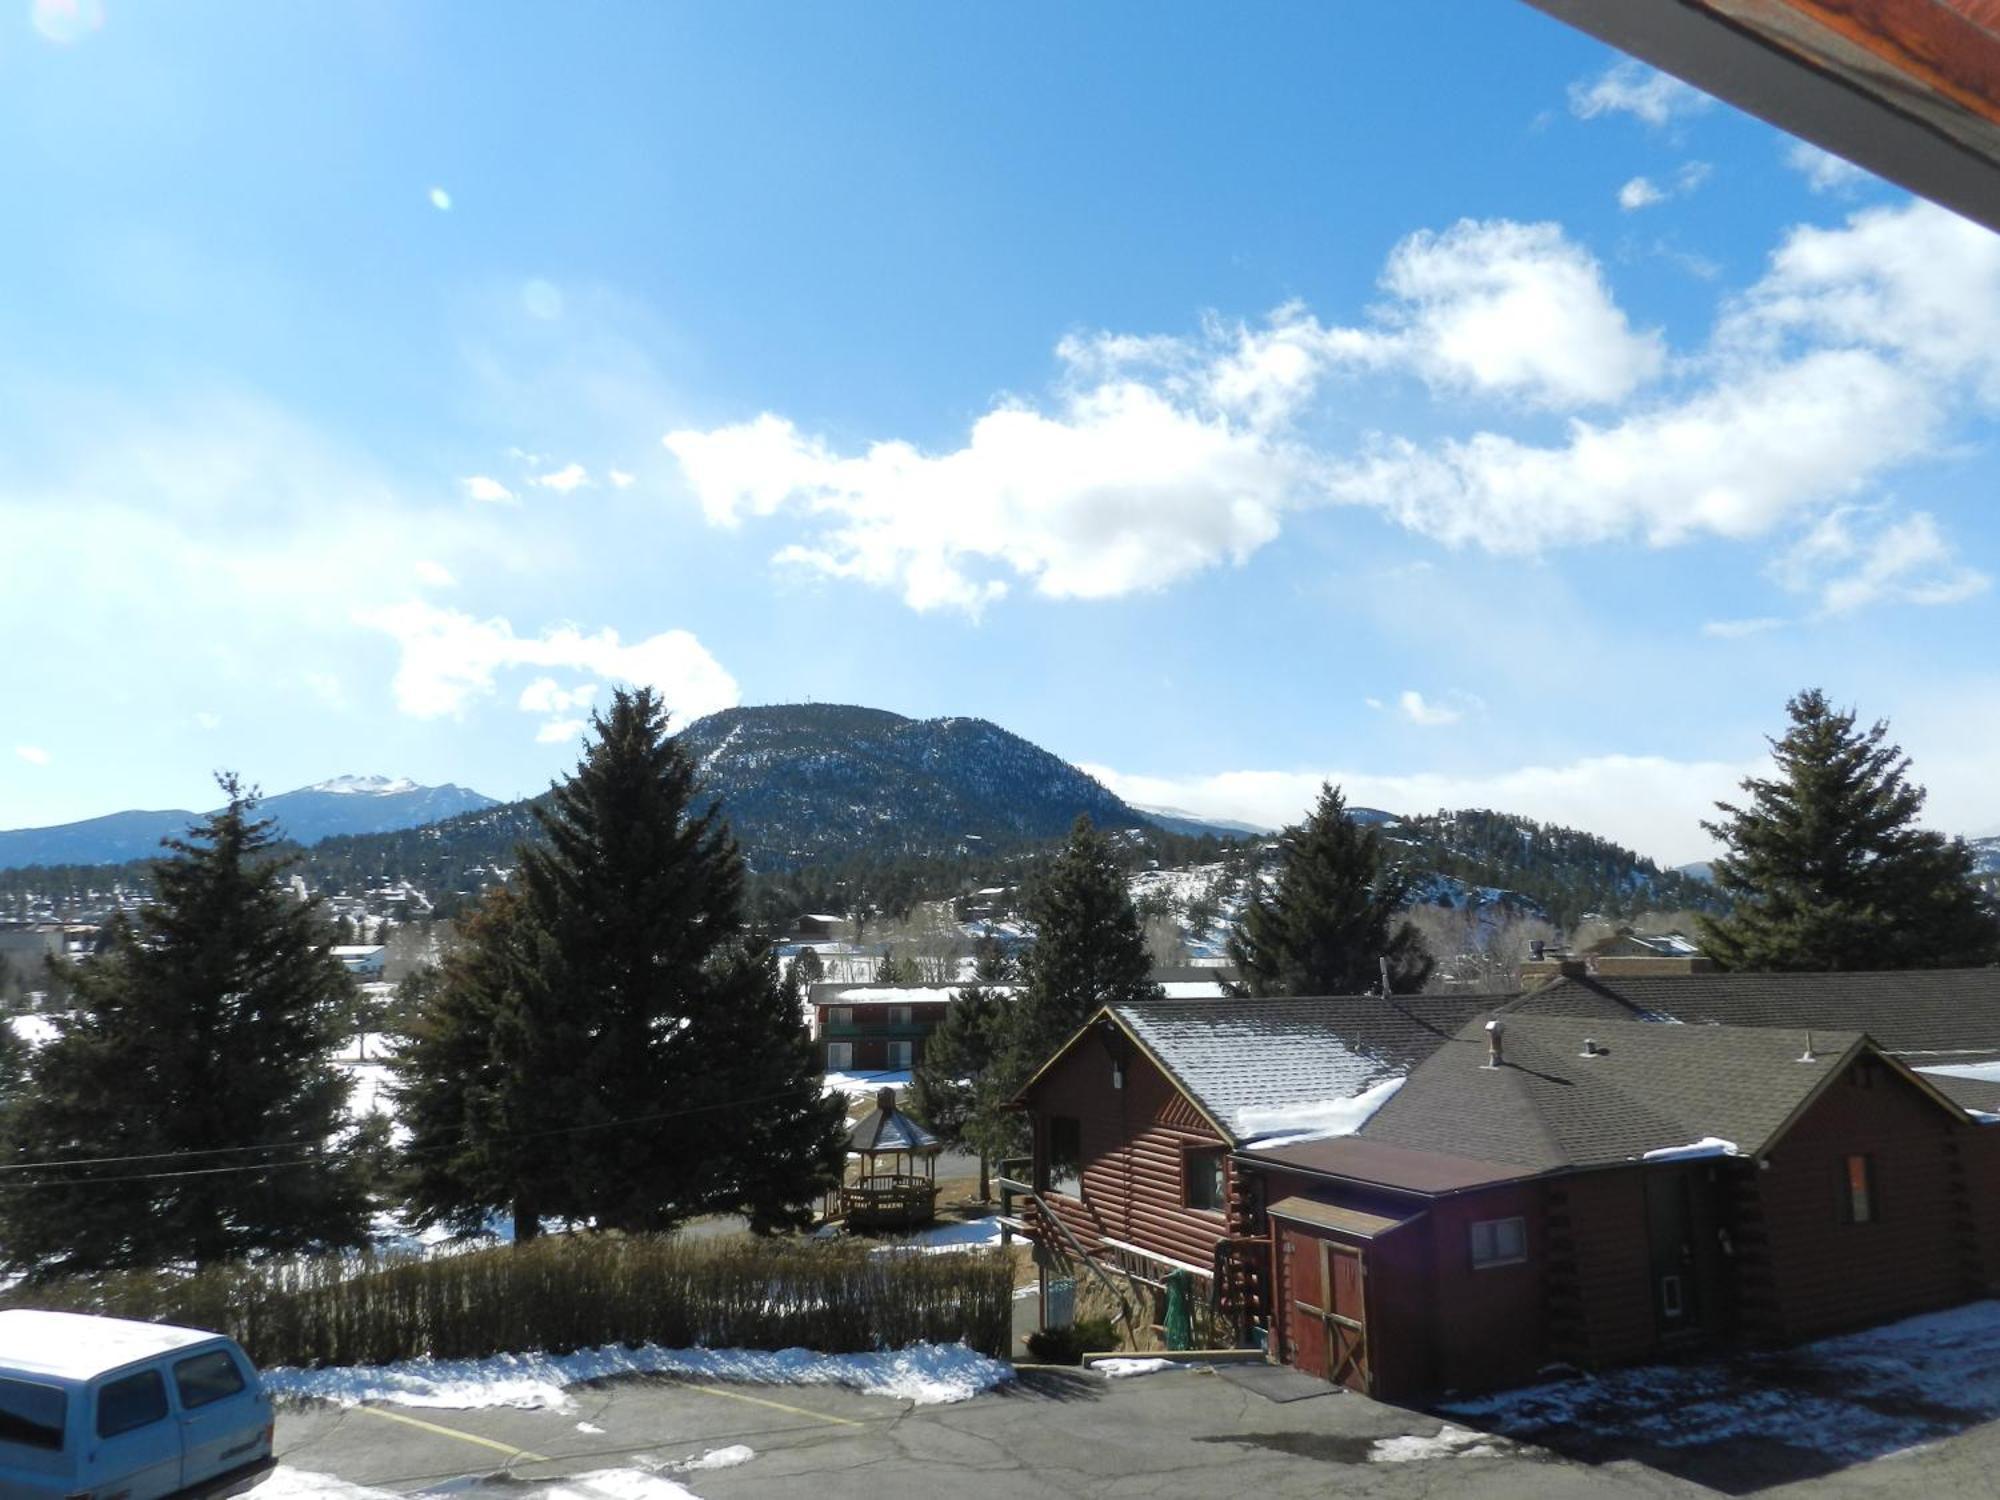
317	1152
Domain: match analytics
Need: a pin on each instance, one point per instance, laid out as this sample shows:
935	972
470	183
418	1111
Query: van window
129	1402
32	1415
206	1377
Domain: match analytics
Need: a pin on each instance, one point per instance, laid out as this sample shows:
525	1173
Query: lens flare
440	200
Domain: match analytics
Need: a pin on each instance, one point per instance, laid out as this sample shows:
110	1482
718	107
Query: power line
317	1154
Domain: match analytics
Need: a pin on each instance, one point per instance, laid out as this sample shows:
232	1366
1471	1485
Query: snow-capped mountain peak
365	786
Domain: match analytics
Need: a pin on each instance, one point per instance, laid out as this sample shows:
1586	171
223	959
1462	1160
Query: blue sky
1414	395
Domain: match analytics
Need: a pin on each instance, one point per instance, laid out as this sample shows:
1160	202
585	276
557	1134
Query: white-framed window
899	1015
900	1054
840	1015
1499	1242
840	1057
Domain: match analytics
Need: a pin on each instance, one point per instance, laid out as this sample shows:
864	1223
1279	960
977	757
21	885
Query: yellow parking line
797	1411
468	1437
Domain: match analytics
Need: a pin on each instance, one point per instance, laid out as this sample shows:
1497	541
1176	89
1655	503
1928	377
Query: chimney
1494	1058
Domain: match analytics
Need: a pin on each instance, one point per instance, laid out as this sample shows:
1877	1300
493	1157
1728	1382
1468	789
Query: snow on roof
77	1346
358	950
1319	1120
891	995
1708	1145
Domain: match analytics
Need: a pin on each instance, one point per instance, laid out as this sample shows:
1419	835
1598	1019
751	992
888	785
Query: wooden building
1409	1197
875	1028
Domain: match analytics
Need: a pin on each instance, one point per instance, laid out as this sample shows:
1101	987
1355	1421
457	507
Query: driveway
1193	1433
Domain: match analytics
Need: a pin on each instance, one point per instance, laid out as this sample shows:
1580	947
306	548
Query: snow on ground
925	1374
1450	1442
32	1031
1124	1369
1288	1124
1855	1397
719	1458
864	1085
969	1234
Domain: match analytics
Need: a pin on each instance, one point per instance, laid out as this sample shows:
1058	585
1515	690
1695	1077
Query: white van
107	1409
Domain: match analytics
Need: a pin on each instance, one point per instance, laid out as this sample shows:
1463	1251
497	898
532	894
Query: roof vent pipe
1493	1054
1590	1047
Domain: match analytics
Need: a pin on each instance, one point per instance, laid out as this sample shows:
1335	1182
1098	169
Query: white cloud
1643	192
1160	457
208	721
620	480
490	491
1823	171
440	200
569	477
1639	193
449	658
34	755
542	299
1734	460
1632	88
1736	630
1648	803
437	575
1855	556
561	731
545	696
1436	713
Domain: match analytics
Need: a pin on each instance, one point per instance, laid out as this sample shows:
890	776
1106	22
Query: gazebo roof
886	1128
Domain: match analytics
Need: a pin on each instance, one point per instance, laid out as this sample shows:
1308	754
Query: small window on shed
1202	1179
1857	1196
131	1402
32	1415
207	1377
1065	1154
1499	1242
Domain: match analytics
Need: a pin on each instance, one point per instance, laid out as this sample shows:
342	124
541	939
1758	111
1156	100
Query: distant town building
362	960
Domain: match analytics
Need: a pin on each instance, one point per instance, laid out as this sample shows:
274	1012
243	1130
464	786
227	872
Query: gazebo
897	1196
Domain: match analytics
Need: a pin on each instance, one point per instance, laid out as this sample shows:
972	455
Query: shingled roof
1920	1015
1723	1090
1232	1055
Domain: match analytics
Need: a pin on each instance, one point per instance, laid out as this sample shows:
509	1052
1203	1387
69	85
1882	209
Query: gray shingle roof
1916	1014
886	1128
1653	1088
1234	1054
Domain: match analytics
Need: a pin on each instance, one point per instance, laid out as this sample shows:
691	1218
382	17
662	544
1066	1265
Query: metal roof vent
1494	1055
1591	1049
1808	1055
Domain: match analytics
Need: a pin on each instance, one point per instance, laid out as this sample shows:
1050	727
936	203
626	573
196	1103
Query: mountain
1178	820
804	782
1986	853
344	805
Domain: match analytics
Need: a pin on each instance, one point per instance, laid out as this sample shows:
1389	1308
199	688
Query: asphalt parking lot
1054	1433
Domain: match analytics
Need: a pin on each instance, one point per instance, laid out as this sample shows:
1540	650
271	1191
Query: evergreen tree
955	1089
1088	950
1335	914
200	1053
1826	868
890	972
647	1061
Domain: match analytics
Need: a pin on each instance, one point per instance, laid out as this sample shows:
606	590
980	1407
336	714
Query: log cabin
1410	1200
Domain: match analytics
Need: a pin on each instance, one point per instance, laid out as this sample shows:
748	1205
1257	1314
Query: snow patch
923	1374
616	1484
1708	1145
866	1085
1450	1442
721	1458
971	1234
365	786
590	1427
1125	1369
1287	1124
32	1031
1985	1072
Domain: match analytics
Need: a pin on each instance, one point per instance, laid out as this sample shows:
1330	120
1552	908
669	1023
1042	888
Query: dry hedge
563	1293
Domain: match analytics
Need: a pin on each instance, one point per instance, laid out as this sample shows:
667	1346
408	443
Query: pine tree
648	1062
1826	868
955	1090
206	1028
1333	917
1088	950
